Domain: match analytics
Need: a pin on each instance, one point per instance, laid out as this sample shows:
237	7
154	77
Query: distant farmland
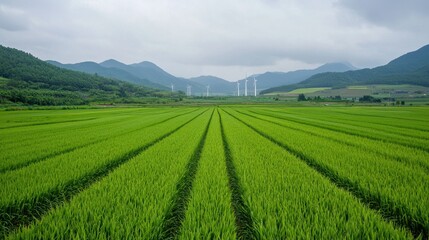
247	172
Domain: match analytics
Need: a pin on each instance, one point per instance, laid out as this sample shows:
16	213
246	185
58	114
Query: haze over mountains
24	79
149	74
29	80
410	68
273	79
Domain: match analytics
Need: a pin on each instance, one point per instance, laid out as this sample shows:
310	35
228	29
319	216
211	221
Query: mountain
108	72
217	86
149	74
274	79
411	68
144	73
29	80
150	71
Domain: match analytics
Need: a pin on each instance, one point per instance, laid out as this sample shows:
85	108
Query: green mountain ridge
108	72
30	80
154	76
275	79
152	72
410	68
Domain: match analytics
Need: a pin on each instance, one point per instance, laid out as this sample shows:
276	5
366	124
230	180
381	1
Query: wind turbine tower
188	90
238	88
208	87
245	87
172	87
254	83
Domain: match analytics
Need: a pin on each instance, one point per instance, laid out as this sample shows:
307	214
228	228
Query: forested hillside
411	68
29	80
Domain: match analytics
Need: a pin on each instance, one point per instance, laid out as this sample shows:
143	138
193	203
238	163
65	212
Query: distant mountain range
144	73
108	72
274	79
150	75
411	68
25	79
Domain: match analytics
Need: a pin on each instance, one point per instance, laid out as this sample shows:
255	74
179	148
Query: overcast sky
224	38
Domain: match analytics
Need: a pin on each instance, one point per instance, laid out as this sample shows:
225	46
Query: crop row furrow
174	217
378	126
409	213
44	133
209	214
27	136
386	122
23	157
48	123
130	202
384	116
289	199
243	218
361	132
405	155
36	192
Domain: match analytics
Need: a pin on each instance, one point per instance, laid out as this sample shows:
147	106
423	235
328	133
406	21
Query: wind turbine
208	86
172	87
238	88
254	83
245	87
188	90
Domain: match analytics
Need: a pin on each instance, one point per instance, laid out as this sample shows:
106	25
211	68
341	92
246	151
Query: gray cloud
392	14
224	38
12	19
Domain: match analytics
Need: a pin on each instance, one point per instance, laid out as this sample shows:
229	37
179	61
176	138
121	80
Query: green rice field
226	172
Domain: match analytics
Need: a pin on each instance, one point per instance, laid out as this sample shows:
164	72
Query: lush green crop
31	188
132	202
398	190
26	145
209	213
396	152
246	172
287	199
370	133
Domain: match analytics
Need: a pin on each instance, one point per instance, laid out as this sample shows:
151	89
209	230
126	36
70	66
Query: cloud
224	38
13	19
394	14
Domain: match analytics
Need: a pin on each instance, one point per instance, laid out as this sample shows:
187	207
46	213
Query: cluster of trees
301	97
369	99
32	81
364	99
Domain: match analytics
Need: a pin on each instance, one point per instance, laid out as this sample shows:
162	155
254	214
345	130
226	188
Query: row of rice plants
413	115
133	201
410	127
44	131
408	117
402	126
389	117
209	214
387	125
407	155
22	153
287	199
29	191
358	131
21	119
397	190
